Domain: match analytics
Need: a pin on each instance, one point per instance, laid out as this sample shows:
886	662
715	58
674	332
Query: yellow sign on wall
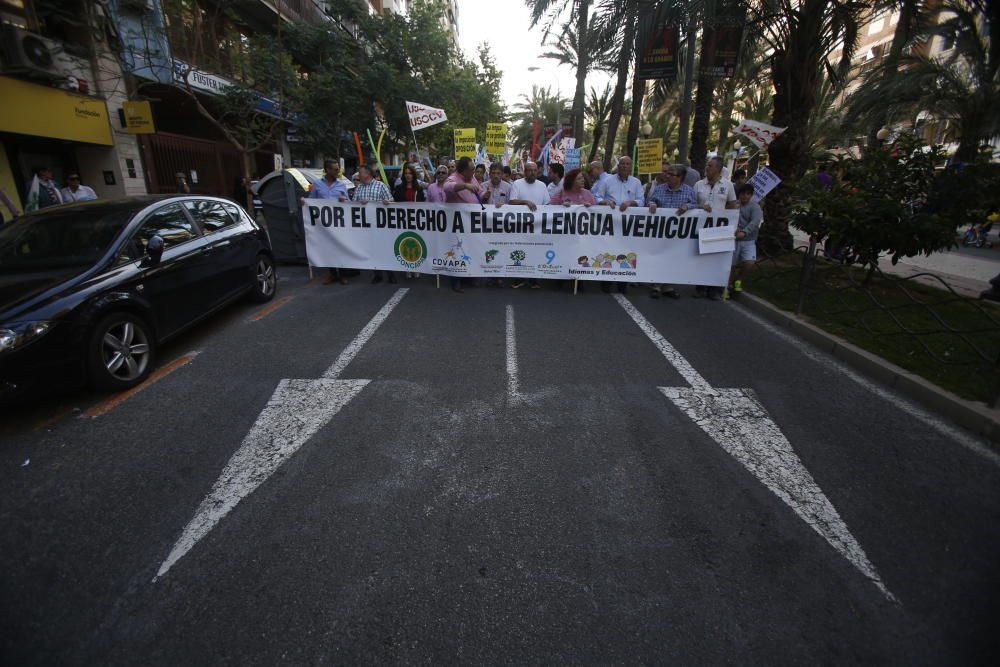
49	112
496	137
650	154
138	117
465	142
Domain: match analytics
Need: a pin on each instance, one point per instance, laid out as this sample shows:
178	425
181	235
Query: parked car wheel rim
265	276
125	350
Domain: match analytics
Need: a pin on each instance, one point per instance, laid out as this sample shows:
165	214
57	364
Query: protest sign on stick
496	137
650	155
465	142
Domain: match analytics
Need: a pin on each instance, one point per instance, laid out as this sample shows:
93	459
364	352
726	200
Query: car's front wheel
121	350
265	279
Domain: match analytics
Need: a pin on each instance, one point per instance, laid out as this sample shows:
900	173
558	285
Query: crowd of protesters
462	181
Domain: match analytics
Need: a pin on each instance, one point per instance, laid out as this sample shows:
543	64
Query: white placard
716	239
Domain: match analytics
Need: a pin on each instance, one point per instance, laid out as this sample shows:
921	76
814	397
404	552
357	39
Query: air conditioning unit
29	54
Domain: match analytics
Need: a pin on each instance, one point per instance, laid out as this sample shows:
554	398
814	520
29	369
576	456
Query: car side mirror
154	249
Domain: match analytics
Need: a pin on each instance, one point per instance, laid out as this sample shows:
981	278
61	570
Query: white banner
596	243
761	134
422	116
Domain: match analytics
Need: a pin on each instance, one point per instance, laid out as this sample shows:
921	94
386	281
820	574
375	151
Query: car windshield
72	238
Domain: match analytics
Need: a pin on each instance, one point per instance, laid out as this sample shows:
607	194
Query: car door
174	286
225	247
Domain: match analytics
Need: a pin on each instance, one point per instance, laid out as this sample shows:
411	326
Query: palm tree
618	26
540	105
802	37
580	13
961	87
597	111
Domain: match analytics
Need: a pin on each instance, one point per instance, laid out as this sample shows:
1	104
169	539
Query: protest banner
465	142
763	182
496	137
761	134
650	155
422	116
595	243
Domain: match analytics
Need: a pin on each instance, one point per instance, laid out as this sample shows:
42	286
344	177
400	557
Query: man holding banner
373	190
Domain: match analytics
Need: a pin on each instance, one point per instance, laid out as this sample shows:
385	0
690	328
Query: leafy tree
541	105
894	203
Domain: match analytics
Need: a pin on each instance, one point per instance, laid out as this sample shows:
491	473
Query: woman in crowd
573	191
408	190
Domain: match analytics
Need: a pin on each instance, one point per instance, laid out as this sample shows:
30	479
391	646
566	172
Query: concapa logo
410	250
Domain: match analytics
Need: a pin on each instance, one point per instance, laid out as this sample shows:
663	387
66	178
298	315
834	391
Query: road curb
975	417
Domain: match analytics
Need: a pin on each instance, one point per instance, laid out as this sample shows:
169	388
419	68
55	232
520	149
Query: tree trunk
247	172
795	74
618	99
702	102
583	54
638	93
594	145
726	105
699	127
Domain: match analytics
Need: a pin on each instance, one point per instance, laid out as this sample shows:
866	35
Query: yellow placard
496	138
650	156
138	117
48	112
465	142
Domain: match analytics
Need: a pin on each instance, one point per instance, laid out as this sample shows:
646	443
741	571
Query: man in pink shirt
435	191
462	186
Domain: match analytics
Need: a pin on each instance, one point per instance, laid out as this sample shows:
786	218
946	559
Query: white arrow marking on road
736	420
513	392
295	412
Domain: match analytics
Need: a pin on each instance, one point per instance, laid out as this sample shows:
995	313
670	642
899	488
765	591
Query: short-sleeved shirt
323	190
435	193
461	196
718	195
618	191
663	196
536	191
373	190
499	194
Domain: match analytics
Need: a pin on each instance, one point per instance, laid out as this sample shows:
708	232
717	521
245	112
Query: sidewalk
967	275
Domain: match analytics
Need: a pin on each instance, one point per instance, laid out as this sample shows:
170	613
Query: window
169	223
234	211
209	214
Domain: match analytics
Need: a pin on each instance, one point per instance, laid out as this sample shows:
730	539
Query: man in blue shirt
331	187
674	193
623	189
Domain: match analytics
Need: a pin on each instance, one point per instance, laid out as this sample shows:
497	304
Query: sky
503	24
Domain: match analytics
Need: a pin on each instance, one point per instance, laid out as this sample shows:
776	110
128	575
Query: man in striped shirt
370	189
674	193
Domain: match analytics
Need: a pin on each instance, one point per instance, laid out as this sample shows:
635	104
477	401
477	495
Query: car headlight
13	336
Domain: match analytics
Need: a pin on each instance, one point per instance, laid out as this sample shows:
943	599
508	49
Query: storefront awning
41	111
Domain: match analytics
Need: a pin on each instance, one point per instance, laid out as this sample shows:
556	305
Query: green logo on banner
410	249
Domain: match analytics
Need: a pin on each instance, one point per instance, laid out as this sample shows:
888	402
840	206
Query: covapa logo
410	250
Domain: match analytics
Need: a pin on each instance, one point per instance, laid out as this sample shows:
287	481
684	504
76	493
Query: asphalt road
496	494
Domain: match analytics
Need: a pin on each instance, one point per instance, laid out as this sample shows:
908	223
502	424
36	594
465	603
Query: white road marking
513	393
673	357
297	410
736	420
971	443
359	341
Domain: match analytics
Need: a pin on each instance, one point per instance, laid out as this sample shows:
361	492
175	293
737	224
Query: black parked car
90	290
